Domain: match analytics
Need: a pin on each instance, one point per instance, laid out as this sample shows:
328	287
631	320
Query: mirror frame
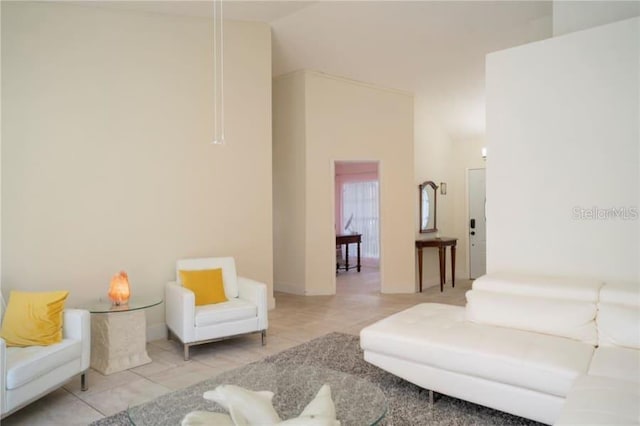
421	188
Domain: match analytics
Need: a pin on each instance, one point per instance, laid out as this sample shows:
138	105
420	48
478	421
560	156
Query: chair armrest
3	374
76	325
256	293
180	311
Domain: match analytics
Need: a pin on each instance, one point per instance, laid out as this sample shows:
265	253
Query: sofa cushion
233	310
597	400
439	336
565	318
227	264
27	364
575	289
621	293
206	285
616	363
619	315
618	325
33	318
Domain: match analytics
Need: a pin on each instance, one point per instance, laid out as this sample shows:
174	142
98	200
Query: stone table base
118	341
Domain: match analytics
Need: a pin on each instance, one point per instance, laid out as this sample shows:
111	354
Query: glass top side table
135	303
118	334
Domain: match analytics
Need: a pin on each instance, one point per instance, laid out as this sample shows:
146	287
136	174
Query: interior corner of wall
156	332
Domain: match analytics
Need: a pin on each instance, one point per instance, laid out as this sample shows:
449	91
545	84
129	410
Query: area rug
407	404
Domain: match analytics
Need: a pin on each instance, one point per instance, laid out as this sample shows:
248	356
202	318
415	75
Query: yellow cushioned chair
244	311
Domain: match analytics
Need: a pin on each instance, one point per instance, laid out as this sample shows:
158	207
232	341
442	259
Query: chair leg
264	337
431	397
83	382
168	333
186	352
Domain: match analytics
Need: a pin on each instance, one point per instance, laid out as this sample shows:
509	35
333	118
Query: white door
477	224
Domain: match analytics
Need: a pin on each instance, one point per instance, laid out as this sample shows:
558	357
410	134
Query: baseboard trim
288	289
318	293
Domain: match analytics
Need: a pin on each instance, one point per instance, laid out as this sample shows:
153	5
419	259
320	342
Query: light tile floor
295	320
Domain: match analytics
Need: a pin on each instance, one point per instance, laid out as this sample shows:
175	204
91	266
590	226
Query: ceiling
434	49
240	10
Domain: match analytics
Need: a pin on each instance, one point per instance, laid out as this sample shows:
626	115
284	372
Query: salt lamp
119	288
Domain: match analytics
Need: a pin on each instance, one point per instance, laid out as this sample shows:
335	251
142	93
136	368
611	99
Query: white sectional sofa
554	350
29	373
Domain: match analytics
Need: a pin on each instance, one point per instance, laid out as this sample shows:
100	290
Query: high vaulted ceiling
239	10
435	49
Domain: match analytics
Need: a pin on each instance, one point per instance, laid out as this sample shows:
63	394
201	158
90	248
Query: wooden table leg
453	265
442	257
420	268
346	261
444	265
358	256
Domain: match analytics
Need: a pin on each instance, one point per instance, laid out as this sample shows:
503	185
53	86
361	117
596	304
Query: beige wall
441	158
107	162
434	161
467	155
0	163
350	121
289	183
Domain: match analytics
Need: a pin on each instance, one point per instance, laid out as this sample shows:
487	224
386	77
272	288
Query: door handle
472	223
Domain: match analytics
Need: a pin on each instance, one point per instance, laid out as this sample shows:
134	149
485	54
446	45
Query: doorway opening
357	218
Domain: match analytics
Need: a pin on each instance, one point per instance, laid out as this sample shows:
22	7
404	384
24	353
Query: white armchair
244	312
31	372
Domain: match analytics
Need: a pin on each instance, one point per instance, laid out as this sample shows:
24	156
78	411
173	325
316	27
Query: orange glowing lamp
119	291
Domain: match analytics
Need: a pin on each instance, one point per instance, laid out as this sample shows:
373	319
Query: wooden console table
441	244
346	240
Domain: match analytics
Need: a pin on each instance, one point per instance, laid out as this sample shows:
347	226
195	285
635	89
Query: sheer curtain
360	201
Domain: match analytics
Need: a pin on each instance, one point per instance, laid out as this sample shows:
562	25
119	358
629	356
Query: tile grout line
85	402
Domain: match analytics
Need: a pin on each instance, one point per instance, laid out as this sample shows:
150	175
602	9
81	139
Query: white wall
107	162
433	161
570	16
562	132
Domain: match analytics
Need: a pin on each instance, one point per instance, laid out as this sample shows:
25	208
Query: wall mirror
428	204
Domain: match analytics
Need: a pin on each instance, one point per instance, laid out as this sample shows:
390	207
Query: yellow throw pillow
206	284
33	319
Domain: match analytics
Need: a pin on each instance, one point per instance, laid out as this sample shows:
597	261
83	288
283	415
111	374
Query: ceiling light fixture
218	83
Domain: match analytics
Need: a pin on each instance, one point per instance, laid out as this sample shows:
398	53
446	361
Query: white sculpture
249	408
245	407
